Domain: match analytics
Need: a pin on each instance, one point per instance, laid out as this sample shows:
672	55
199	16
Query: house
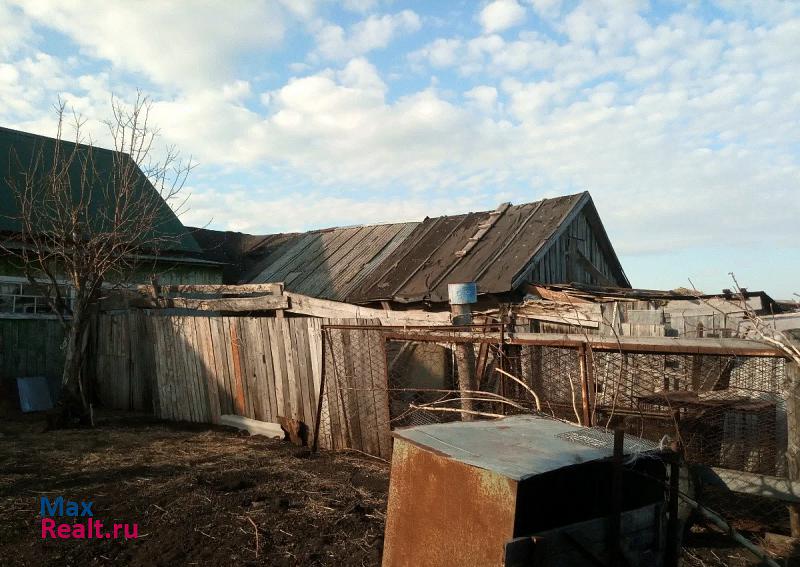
180	261
401	264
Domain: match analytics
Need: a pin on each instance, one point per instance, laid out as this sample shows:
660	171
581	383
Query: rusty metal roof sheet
330	263
518	447
501	245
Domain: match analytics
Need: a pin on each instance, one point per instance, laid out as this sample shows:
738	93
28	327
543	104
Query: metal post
462	296
673	525
585	395
793	436
616	499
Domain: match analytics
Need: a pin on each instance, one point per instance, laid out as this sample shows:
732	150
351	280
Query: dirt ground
199	496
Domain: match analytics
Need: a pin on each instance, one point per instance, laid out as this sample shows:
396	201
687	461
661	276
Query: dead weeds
200	496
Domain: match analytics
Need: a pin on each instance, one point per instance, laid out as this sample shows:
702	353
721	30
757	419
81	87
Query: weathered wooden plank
232	304
377	351
187	385
299	330
278	367
253	426
225	350
350	394
220	345
200	372
252	366
169	411
269	371
184	394
317	365
167	361
334	347
245	353
177	353
213	289
324	308
203	327
148	367
360	374
292	391
152	332
236	365
255	366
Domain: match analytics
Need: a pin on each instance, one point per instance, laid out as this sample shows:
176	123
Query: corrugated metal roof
422	266
329	264
518	447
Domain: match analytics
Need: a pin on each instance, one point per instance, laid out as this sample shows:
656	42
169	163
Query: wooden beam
253	426
719	346
234	304
213	289
324	308
602	279
565	320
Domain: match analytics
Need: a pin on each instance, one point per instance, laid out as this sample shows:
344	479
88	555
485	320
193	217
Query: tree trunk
72	409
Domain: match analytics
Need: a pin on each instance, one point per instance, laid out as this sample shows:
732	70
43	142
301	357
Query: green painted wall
29	347
168	272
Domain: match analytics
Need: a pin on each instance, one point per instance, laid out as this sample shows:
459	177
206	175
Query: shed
551	240
475	493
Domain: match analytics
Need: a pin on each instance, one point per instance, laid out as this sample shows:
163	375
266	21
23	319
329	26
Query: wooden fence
29	347
198	367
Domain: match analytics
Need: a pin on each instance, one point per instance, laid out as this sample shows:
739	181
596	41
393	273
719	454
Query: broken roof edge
631	293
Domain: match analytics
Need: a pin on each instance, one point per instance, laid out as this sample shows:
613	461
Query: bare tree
90	220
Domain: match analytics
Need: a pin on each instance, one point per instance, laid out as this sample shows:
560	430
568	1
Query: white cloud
245	211
359	5
501	15
678	122
167	42
483	97
14	29
375	32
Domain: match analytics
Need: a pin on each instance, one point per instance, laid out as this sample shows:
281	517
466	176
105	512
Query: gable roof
18	150
505	242
407	262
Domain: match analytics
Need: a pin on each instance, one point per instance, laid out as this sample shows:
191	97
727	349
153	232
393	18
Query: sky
682	119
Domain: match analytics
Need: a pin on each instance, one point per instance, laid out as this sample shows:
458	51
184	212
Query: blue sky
681	118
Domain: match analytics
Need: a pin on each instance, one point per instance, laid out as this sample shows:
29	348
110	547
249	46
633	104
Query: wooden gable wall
562	262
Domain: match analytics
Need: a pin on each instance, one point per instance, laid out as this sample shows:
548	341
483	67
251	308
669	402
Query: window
19	297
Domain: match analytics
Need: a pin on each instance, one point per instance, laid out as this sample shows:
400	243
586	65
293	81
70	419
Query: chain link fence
726	410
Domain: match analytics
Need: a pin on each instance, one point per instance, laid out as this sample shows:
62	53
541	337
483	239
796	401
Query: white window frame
16	280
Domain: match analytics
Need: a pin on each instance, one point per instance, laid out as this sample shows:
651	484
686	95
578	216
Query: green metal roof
18	150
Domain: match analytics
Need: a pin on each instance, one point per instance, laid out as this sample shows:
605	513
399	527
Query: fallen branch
730	531
255	530
524	385
498	399
451	410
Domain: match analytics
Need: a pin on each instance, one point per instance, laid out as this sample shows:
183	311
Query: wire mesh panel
726	411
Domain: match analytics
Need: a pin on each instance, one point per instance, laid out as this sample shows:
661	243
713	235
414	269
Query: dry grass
200	496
